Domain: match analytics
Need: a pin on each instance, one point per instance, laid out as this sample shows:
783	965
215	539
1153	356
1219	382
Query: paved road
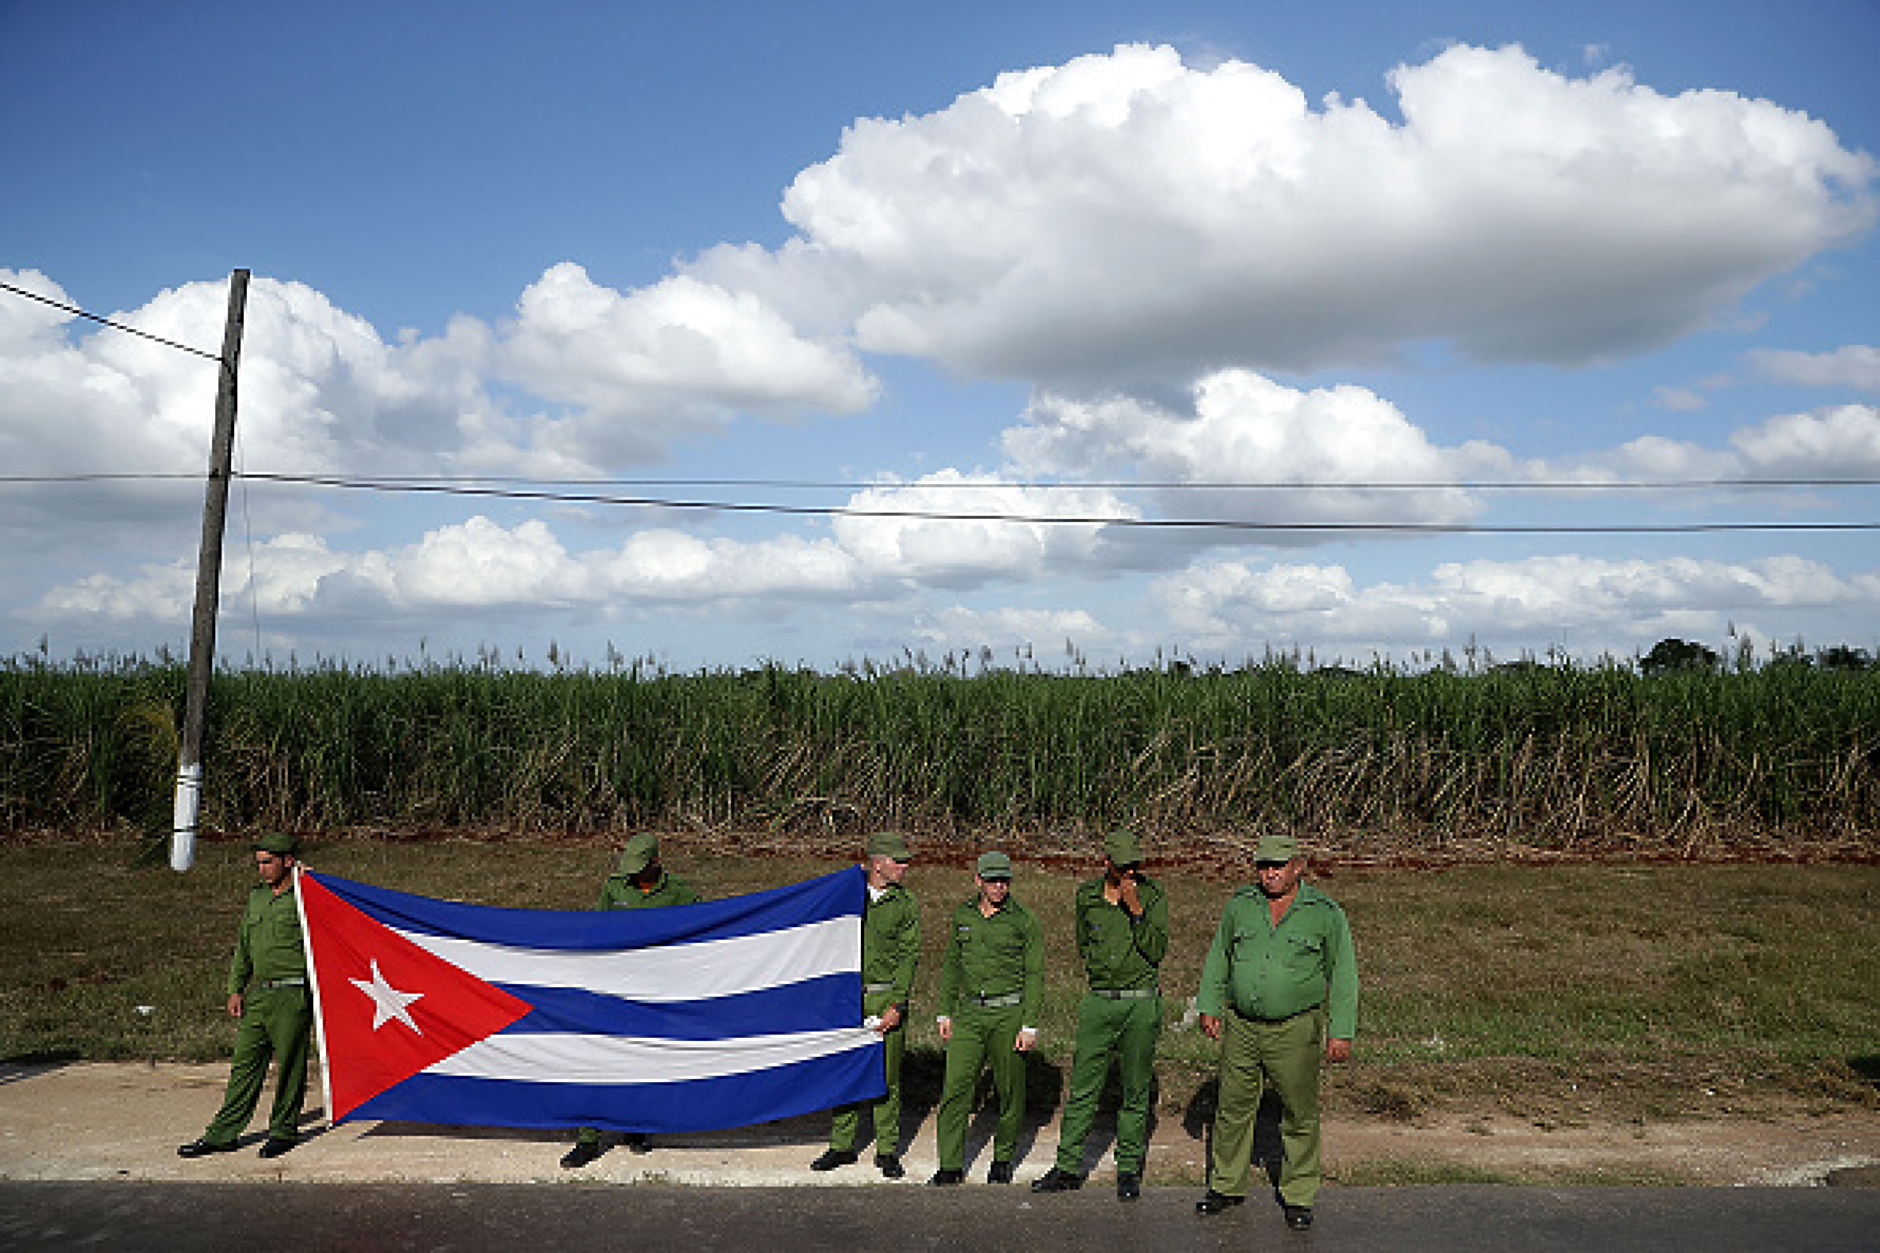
315	1217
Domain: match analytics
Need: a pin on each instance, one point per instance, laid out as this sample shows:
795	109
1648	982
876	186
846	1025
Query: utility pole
208	588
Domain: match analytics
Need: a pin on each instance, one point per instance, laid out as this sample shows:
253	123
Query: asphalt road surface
313	1217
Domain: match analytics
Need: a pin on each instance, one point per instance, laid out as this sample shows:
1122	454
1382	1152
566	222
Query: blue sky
1201	262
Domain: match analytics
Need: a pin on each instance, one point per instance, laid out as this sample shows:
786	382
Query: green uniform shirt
891	941
1120	951
620	892
1266	971
994	956
268	944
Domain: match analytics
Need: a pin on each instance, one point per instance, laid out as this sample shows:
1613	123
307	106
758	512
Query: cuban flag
688	1018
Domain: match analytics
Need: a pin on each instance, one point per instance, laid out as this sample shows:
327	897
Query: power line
438	482
442	481
479	488
116	326
932	515
1277	485
123	476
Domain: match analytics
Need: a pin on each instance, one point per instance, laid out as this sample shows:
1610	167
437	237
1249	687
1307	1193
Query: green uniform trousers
1287	1055
276	1023
846	1122
1127	1031
982	1035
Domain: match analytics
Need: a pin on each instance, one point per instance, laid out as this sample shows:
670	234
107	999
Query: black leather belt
1267	1022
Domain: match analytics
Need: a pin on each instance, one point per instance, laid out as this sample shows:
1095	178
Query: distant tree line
1670	656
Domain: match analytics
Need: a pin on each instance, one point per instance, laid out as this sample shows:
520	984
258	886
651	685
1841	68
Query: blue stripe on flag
842	892
695	1105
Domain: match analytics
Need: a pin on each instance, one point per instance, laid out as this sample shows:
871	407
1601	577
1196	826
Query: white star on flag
387	1001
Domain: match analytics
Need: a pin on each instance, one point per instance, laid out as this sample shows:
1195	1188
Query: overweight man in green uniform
890	952
1122	934
267	993
639	882
990	988
1279	989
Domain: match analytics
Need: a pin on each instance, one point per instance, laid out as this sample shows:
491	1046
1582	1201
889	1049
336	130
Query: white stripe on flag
552	1058
666	972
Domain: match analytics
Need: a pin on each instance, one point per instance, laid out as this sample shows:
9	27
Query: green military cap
1276	849
994	865
280	843
889	844
641	851
1123	848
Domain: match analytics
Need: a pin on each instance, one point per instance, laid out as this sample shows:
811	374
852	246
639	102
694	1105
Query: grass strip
1561	994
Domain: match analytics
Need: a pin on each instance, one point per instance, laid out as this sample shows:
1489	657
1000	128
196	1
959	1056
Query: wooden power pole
208	588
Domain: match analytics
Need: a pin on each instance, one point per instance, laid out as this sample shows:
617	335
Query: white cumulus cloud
1244	428
1840	441
1235	605
593	379
1855	366
956	550
1125	217
1843	441
643	367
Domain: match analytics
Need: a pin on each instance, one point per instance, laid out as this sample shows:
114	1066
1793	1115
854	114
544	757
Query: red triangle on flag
387	1008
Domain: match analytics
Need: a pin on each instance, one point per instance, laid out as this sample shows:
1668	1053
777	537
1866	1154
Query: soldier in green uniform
990	988
1122	933
639	882
268	994
890	952
1280	972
